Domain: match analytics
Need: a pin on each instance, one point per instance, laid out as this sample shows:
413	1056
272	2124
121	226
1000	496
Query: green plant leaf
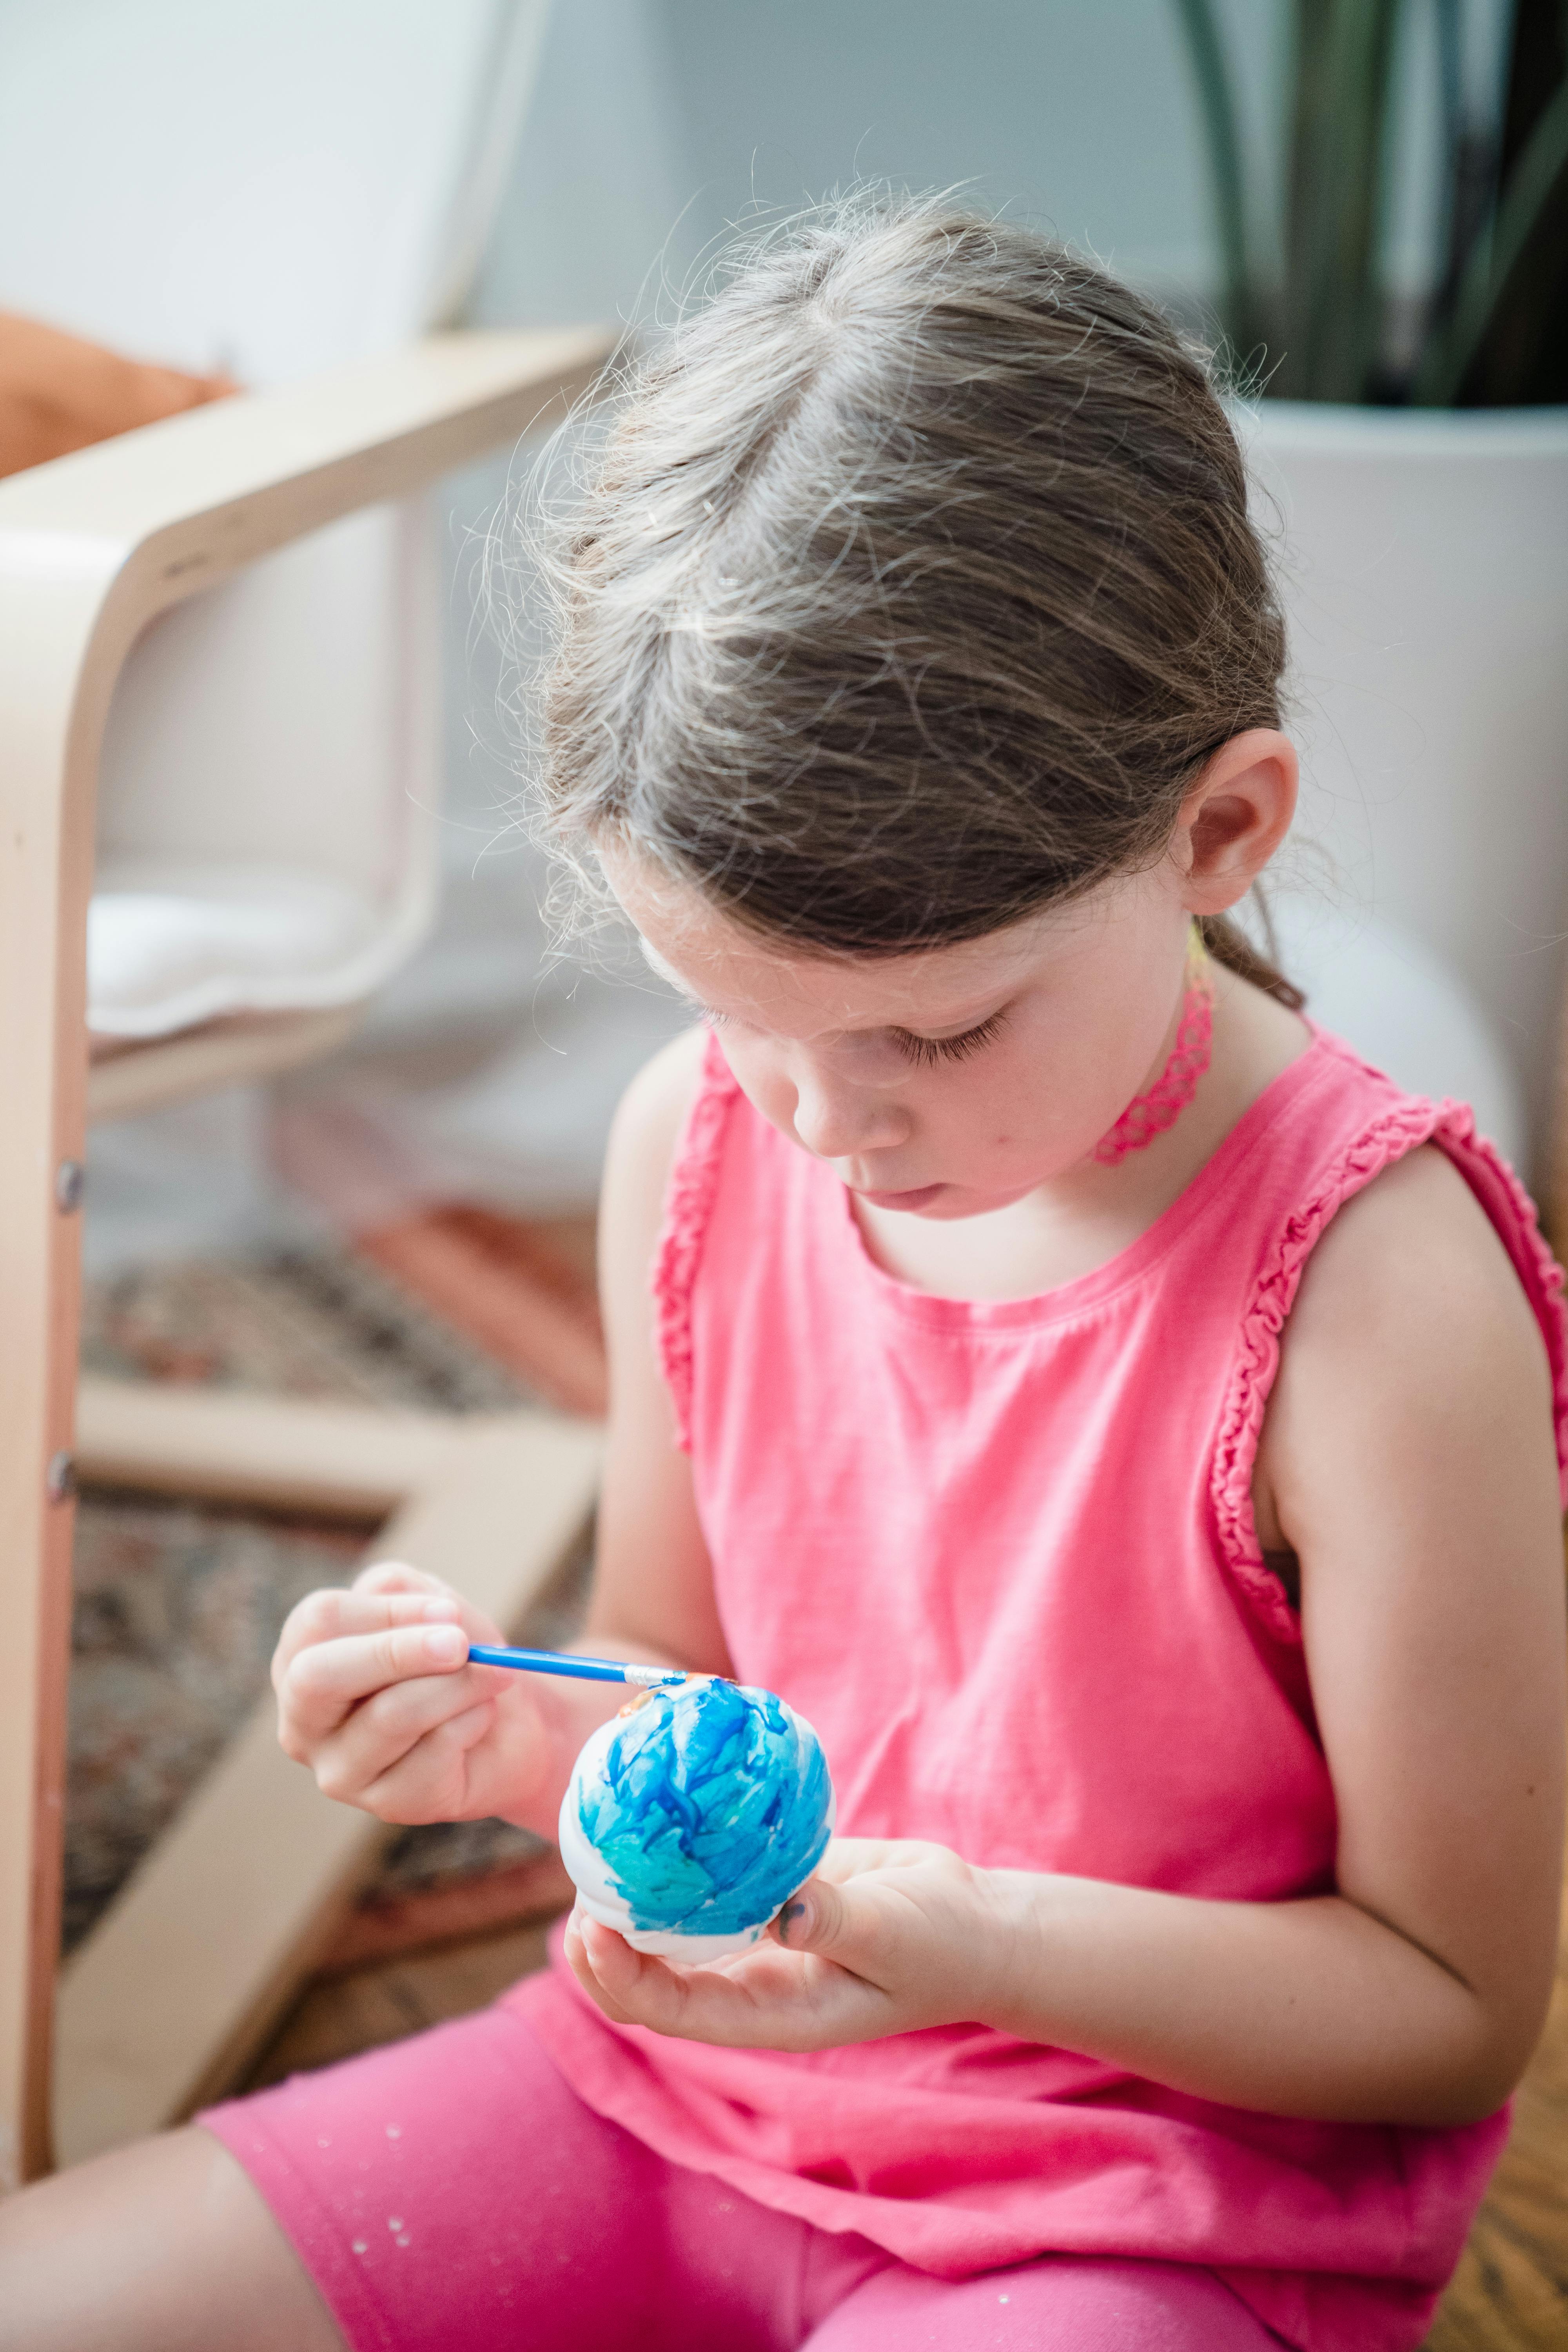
1542	164
1305	176
1222	130
1338	167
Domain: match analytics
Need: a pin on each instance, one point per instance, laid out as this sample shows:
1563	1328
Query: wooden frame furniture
92	548
181	1980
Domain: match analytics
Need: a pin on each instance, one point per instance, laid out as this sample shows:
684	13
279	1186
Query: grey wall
1075	113
657	121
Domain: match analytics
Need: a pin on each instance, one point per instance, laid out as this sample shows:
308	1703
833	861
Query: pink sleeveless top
1002	1555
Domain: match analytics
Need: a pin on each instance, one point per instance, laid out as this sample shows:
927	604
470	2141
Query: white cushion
170	944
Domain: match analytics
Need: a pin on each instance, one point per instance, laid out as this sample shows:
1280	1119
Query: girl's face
945	1082
957	1079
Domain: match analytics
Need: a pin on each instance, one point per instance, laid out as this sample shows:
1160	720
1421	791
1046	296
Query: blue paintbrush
588	1670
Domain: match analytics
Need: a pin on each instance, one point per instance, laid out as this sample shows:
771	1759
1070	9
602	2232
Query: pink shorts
453	2194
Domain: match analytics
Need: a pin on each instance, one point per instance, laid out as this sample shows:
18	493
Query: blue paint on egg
711	1806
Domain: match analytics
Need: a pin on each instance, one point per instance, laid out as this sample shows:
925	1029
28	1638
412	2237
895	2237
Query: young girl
1124	1423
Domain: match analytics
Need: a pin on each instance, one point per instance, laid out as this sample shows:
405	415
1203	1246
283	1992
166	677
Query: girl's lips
917	1199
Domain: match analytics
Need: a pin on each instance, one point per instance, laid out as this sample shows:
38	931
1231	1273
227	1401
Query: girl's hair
912	588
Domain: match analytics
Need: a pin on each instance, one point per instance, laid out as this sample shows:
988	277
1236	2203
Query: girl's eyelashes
925	1050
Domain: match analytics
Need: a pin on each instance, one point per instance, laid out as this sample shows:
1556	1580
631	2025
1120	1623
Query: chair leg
45	864
35	1582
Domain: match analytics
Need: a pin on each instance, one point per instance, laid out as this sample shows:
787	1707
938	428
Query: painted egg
690	1821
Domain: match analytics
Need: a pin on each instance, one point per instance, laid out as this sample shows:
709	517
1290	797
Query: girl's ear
1235	818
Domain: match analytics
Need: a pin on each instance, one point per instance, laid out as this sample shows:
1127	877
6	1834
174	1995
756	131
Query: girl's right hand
375	1696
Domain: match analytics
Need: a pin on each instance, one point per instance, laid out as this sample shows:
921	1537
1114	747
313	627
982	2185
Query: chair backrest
273	187
1424	561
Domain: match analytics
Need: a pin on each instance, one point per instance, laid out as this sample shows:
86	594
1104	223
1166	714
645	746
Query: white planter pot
1424	564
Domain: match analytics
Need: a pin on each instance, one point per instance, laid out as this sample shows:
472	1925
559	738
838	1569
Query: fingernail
445	1642
437	1609
790	1912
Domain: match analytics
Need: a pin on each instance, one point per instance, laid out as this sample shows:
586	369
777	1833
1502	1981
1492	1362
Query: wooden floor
1511	2293
390	1999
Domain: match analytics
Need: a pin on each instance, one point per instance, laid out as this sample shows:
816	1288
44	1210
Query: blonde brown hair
912	587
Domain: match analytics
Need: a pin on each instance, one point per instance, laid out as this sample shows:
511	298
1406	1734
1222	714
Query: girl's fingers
748	2008
430	1782
324	1681
850	1857
327	1615
583	1968
380	1732
391	1578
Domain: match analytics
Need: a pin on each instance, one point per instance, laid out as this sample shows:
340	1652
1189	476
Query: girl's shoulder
1417	1225
1413	1265
661	1170
645	1139
654	1109
1426	1326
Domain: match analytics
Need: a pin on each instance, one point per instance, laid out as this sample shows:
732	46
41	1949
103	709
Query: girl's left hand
889	1936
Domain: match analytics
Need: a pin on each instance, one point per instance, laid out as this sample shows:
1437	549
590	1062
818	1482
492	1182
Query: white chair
219	774
279	190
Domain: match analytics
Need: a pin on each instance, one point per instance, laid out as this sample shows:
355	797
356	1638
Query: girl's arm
1408	1462
393	1722
653	1584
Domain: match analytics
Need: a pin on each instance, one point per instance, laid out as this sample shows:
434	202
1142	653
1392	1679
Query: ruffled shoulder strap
688	1205
1407	1122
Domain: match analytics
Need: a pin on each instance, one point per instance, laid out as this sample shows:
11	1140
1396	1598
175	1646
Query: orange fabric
59	393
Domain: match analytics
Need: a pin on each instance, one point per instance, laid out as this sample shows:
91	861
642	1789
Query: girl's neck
1091	1213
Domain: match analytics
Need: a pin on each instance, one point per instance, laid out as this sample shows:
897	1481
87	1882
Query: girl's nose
836	1121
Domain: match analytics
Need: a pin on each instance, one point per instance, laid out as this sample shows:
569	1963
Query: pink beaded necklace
1161	1105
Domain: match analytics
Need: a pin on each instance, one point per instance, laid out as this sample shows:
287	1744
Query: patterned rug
178	1605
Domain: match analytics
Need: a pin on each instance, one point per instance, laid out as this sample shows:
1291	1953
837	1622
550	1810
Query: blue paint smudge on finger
711	1804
